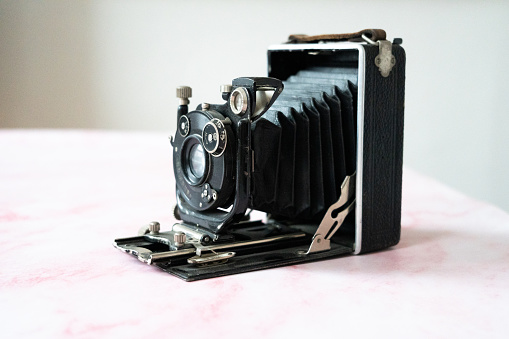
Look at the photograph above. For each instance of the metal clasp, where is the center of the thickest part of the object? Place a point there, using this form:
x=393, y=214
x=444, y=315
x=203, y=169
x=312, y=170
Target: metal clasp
x=385, y=61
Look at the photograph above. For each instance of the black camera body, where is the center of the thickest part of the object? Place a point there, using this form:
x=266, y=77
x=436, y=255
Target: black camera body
x=317, y=146
x=217, y=138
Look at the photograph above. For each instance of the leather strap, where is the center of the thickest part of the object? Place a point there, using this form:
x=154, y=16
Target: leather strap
x=373, y=34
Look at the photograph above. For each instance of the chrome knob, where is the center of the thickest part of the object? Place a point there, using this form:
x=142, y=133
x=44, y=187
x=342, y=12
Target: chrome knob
x=154, y=227
x=179, y=238
x=184, y=93
x=226, y=88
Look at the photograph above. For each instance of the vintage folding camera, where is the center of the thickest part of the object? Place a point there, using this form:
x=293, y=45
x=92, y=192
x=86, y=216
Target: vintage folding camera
x=314, y=151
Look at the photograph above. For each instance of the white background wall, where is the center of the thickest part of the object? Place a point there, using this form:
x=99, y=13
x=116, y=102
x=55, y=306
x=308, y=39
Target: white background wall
x=115, y=65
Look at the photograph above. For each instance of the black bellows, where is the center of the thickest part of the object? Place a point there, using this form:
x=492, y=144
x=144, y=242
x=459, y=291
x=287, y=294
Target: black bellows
x=305, y=145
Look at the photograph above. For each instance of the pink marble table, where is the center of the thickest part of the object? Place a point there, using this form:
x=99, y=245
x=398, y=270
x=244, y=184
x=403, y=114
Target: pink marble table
x=65, y=195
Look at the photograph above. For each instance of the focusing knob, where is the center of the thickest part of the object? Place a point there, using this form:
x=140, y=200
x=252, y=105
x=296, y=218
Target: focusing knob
x=184, y=93
x=214, y=137
x=183, y=125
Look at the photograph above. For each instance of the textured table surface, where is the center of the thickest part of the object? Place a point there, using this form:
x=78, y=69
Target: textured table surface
x=65, y=195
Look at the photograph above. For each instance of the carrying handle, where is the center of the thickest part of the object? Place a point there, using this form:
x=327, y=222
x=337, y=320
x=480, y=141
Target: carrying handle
x=373, y=33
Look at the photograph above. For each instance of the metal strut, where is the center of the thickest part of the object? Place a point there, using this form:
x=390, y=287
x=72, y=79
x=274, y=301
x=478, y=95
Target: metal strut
x=334, y=217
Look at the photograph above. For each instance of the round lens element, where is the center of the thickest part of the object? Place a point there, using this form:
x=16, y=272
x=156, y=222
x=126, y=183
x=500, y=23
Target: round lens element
x=197, y=161
x=238, y=102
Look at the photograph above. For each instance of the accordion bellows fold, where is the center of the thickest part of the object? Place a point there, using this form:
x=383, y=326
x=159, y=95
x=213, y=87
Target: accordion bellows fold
x=304, y=146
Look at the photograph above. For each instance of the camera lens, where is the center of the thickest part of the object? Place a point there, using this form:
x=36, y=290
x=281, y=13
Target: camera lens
x=204, y=168
x=197, y=161
x=194, y=161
